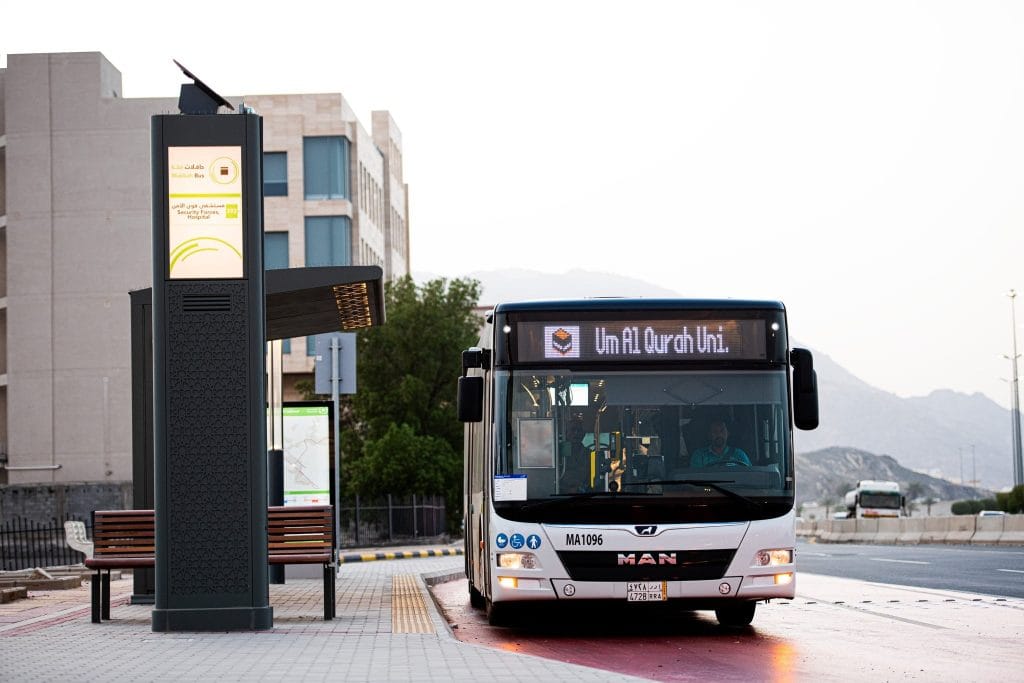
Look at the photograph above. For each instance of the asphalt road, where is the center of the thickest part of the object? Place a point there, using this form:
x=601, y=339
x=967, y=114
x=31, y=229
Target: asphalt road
x=989, y=570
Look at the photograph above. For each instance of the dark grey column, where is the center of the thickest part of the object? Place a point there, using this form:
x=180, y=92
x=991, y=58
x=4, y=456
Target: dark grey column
x=143, y=586
x=209, y=413
x=275, y=496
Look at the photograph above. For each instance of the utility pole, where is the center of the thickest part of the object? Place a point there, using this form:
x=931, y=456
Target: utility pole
x=1018, y=465
x=974, y=468
x=960, y=450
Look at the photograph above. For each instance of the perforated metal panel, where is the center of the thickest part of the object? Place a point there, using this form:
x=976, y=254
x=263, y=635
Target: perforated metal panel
x=207, y=356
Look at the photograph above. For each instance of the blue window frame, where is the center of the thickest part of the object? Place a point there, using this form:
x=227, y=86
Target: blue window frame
x=325, y=167
x=275, y=174
x=275, y=256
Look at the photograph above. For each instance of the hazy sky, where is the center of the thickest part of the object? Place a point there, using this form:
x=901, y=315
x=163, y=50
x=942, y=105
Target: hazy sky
x=861, y=161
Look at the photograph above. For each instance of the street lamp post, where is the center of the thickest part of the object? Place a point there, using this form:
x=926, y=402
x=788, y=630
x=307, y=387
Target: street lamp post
x=961, y=451
x=974, y=468
x=1018, y=465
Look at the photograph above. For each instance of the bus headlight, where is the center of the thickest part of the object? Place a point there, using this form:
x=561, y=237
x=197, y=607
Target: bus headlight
x=773, y=558
x=518, y=561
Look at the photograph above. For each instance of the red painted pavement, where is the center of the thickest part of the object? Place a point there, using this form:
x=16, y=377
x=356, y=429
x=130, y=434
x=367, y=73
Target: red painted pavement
x=660, y=645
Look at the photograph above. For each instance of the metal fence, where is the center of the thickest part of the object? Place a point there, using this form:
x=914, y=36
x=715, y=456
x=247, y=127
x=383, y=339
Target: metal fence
x=403, y=519
x=25, y=544
x=391, y=519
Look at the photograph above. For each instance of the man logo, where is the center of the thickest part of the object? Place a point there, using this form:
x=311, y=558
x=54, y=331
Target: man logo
x=646, y=530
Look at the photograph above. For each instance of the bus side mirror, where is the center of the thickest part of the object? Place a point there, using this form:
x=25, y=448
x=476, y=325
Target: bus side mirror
x=805, y=390
x=471, y=399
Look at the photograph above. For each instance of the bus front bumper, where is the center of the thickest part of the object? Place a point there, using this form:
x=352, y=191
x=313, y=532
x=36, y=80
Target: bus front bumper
x=758, y=587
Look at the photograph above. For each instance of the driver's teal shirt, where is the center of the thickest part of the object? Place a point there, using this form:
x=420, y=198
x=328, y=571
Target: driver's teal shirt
x=702, y=457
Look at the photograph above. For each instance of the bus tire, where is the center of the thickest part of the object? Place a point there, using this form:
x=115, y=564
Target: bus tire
x=476, y=598
x=736, y=615
x=497, y=614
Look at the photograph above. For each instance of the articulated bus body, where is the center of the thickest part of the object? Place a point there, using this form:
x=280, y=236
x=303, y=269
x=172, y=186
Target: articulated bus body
x=633, y=450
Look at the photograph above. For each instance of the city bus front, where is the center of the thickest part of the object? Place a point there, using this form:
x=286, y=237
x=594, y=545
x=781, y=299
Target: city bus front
x=642, y=458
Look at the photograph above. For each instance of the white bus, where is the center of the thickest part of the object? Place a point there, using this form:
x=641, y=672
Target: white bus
x=875, y=499
x=633, y=450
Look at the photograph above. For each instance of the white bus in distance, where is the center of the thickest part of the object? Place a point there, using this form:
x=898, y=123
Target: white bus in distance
x=875, y=499
x=633, y=450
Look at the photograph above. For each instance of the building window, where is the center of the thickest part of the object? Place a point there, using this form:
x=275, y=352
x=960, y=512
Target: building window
x=275, y=174
x=275, y=250
x=328, y=241
x=275, y=255
x=325, y=167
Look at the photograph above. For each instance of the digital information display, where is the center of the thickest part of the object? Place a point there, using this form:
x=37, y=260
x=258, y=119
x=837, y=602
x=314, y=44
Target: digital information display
x=641, y=340
x=204, y=194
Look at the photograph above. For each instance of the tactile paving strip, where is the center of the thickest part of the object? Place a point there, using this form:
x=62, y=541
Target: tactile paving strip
x=408, y=611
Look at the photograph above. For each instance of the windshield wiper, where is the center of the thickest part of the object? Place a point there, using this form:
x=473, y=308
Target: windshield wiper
x=572, y=497
x=713, y=483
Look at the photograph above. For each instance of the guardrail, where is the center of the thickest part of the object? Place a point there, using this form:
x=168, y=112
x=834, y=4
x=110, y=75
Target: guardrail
x=958, y=529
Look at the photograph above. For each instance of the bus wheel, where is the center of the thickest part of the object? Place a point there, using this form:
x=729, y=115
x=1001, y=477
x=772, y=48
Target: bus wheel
x=497, y=615
x=736, y=615
x=476, y=598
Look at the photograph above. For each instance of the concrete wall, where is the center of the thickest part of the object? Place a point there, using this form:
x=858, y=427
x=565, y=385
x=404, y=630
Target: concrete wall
x=956, y=529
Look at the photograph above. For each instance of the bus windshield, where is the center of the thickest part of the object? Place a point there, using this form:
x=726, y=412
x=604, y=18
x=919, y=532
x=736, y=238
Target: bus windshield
x=888, y=501
x=671, y=446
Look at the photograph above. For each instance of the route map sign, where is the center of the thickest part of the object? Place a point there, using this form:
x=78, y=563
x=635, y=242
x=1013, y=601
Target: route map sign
x=307, y=455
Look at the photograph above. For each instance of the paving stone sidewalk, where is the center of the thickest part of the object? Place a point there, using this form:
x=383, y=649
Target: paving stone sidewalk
x=387, y=629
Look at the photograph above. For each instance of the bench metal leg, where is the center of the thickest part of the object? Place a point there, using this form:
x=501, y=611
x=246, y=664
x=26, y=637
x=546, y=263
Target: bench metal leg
x=97, y=597
x=334, y=590
x=328, y=592
x=106, y=595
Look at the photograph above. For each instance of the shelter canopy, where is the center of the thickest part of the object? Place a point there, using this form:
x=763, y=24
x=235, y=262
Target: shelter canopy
x=305, y=301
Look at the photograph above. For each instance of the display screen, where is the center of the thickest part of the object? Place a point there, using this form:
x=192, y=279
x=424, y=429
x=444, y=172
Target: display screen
x=204, y=195
x=640, y=340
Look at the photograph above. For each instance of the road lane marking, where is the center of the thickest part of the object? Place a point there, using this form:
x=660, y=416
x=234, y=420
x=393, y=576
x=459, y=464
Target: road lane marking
x=882, y=559
x=873, y=613
x=1014, y=571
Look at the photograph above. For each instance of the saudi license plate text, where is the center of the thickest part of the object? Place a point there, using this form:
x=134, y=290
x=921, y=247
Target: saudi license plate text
x=646, y=591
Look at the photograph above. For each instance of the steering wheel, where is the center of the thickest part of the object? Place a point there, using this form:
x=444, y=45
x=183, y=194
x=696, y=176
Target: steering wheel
x=729, y=464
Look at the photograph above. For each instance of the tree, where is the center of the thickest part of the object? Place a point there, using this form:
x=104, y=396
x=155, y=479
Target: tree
x=402, y=461
x=961, y=507
x=409, y=367
x=405, y=436
x=1012, y=501
x=914, y=491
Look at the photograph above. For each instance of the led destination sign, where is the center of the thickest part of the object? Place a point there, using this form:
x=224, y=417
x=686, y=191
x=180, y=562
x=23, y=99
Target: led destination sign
x=641, y=340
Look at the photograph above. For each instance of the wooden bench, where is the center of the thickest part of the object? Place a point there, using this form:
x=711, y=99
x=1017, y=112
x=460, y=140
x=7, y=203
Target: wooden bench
x=304, y=534
x=125, y=539
x=121, y=539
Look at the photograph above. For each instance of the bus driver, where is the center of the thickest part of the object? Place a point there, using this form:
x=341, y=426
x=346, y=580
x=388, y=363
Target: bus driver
x=718, y=453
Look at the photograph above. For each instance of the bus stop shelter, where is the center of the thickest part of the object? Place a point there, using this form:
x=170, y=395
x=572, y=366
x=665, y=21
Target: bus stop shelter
x=299, y=302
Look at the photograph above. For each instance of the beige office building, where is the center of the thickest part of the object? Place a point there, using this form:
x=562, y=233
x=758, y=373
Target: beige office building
x=75, y=238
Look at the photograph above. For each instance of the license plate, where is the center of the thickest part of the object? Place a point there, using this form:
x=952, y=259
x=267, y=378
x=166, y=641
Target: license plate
x=646, y=591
